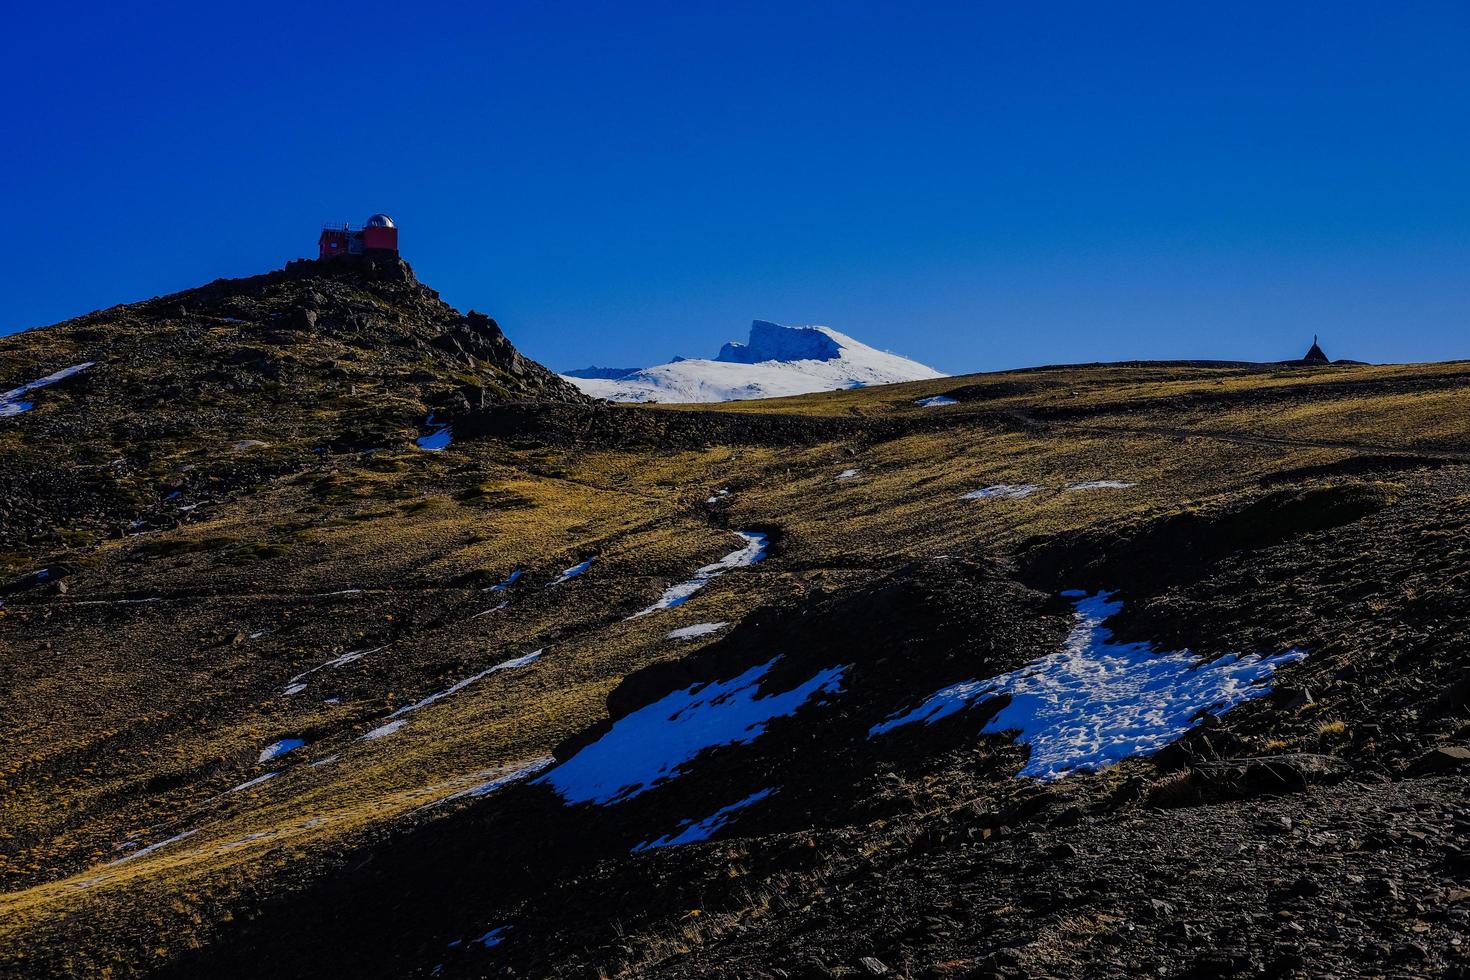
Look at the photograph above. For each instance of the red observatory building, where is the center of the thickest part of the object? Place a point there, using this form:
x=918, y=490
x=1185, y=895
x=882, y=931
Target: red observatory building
x=340, y=238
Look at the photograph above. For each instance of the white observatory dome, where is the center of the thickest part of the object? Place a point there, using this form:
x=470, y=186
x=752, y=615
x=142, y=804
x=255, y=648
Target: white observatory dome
x=380, y=221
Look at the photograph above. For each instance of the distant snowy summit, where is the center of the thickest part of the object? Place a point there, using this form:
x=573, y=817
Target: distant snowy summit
x=776, y=361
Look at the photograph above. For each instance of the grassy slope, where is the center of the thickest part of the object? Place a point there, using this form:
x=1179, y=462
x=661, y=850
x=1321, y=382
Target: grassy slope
x=128, y=722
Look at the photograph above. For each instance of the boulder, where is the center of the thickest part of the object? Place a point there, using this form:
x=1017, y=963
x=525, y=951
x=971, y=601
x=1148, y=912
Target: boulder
x=1442, y=759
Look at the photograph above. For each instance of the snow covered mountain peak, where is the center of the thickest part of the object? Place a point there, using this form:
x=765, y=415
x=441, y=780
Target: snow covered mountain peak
x=776, y=360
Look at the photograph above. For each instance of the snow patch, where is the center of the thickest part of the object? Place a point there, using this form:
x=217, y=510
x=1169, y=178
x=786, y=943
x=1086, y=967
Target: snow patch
x=247, y=839
x=935, y=400
x=499, y=780
x=692, y=831
x=383, y=731
x=261, y=835
x=697, y=630
x=252, y=782
x=848, y=475
x=1101, y=485
x=140, y=852
x=754, y=551
x=461, y=685
x=294, y=685
x=521, y=661
x=649, y=746
x=572, y=572
x=277, y=749
x=502, y=586
x=1096, y=702
x=393, y=726
x=10, y=401
x=438, y=437
x=1004, y=491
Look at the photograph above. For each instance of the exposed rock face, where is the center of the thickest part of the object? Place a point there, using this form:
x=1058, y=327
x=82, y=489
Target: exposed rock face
x=773, y=342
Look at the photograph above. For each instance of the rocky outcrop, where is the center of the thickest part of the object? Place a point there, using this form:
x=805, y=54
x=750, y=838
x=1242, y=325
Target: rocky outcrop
x=773, y=342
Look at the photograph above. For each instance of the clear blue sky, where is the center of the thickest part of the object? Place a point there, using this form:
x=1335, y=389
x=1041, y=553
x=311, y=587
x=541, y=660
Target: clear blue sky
x=977, y=185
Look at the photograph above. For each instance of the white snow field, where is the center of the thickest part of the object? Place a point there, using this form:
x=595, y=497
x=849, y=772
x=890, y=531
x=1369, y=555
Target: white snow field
x=777, y=361
x=1096, y=702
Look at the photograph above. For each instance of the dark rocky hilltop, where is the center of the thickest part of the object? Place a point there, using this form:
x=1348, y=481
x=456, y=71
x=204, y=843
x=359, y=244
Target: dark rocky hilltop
x=214, y=387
